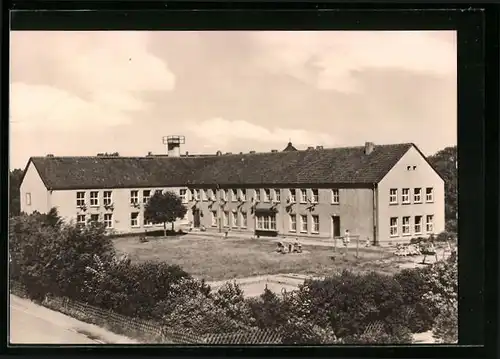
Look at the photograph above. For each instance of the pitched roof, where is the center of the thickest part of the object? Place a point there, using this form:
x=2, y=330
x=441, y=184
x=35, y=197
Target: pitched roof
x=349, y=165
x=289, y=147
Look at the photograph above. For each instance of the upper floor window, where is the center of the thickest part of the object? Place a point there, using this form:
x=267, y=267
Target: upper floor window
x=429, y=195
x=196, y=195
x=257, y=195
x=183, y=195
x=267, y=195
x=417, y=195
x=303, y=195
x=393, y=196
x=94, y=198
x=134, y=197
x=145, y=195
x=159, y=191
x=315, y=196
x=213, y=195
x=293, y=197
x=335, y=196
x=80, y=199
x=405, y=195
x=277, y=195
x=106, y=199
x=28, y=198
x=243, y=195
x=234, y=197
x=225, y=195
x=203, y=194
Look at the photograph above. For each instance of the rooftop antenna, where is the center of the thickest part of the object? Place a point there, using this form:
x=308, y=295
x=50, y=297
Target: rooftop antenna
x=173, y=144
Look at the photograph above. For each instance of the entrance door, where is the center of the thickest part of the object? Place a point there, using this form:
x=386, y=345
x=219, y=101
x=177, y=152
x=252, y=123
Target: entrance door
x=196, y=218
x=335, y=230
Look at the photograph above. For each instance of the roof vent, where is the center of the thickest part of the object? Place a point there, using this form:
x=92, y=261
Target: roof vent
x=274, y=151
x=219, y=153
x=150, y=153
x=252, y=152
x=369, y=147
x=310, y=148
x=319, y=147
x=50, y=155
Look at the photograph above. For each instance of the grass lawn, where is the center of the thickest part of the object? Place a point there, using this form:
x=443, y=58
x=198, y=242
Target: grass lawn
x=224, y=259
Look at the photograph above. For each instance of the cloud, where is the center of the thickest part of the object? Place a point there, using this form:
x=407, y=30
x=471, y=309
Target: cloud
x=222, y=132
x=331, y=60
x=35, y=107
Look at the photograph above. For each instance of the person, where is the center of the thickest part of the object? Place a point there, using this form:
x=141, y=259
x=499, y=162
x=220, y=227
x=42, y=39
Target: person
x=346, y=240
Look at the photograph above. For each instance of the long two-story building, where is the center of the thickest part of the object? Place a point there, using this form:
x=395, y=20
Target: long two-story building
x=381, y=193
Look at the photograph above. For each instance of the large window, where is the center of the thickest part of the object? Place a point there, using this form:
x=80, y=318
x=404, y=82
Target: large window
x=108, y=220
x=393, y=196
x=406, y=226
x=394, y=226
x=80, y=199
x=266, y=222
x=315, y=224
x=134, y=197
x=94, y=199
x=134, y=219
x=303, y=223
x=145, y=195
x=243, y=220
x=315, y=196
x=293, y=223
x=335, y=196
x=107, y=198
x=267, y=195
x=430, y=223
x=418, y=225
x=303, y=195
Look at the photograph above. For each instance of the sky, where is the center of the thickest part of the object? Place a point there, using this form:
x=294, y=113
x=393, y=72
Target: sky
x=81, y=93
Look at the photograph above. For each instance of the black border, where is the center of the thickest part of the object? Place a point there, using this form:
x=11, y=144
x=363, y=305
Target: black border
x=478, y=219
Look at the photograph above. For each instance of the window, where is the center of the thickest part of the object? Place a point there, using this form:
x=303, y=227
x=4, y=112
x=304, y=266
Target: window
x=213, y=196
x=267, y=195
x=134, y=219
x=159, y=191
x=147, y=223
x=303, y=223
x=335, y=196
x=277, y=195
x=106, y=198
x=405, y=196
x=225, y=219
x=293, y=223
x=417, y=195
x=108, y=220
x=429, y=195
x=266, y=222
x=315, y=196
x=214, y=218
x=234, y=219
x=183, y=195
x=203, y=195
x=224, y=195
x=95, y=217
x=406, y=226
x=315, y=223
x=196, y=195
x=430, y=223
x=145, y=196
x=28, y=199
x=94, y=198
x=243, y=220
x=80, y=199
x=234, y=197
x=393, y=196
x=257, y=195
x=80, y=219
x=394, y=227
x=134, y=197
x=293, y=197
x=418, y=224
x=303, y=195
x=243, y=195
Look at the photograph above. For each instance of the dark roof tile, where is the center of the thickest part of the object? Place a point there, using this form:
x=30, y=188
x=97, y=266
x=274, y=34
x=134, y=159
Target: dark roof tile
x=349, y=165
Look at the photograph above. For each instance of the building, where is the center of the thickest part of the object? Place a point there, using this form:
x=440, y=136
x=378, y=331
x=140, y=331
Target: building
x=381, y=193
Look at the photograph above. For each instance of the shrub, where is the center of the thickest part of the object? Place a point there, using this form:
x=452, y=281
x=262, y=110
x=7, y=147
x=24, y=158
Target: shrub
x=268, y=310
x=446, y=328
x=446, y=236
x=399, y=335
x=230, y=298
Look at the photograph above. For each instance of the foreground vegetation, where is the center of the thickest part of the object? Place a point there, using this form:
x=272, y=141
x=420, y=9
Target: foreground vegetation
x=51, y=257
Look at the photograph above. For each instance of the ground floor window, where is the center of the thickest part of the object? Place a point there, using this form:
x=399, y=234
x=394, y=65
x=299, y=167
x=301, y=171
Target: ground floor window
x=80, y=219
x=225, y=219
x=315, y=220
x=234, y=219
x=293, y=223
x=430, y=223
x=303, y=223
x=147, y=223
x=266, y=222
x=134, y=219
x=406, y=226
x=418, y=225
x=214, y=218
x=243, y=220
x=394, y=226
x=108, y=220
x=94, y=218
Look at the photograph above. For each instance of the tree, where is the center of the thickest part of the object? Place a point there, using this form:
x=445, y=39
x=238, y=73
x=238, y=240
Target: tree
x=163, y=208
x=14, y=194
x=444, y=162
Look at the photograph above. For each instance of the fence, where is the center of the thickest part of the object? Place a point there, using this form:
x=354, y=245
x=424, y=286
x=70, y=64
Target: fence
x=145, y=331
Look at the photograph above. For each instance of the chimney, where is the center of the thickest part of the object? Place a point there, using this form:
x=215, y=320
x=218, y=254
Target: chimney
x=173, y=144
x=219, y=153
x=369, y=147
x=310, y=148
x=150, y=153
x=319, y=147
x=50, y=155
x=274, y=151
x=252, y=152
x=187, y=153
